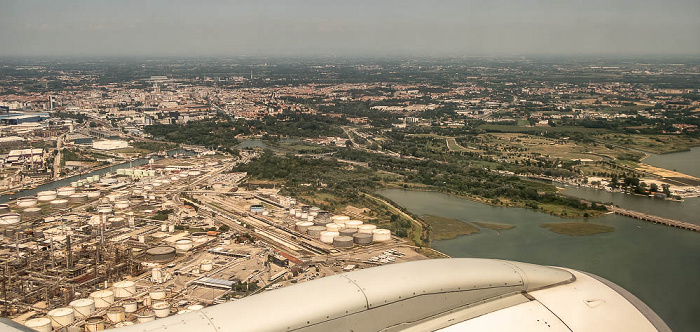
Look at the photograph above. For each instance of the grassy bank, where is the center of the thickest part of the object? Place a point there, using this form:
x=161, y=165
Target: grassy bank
x=578, y=228
x=494, y=227
x=448, y=228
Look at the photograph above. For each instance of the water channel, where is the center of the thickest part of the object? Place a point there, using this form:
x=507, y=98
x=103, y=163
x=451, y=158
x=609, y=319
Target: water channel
x=102, y=171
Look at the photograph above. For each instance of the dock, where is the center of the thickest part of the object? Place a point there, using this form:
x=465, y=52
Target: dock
x=655, y=219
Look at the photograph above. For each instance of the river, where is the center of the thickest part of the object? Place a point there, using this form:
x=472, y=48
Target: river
x=657, y=263
x=102, y=171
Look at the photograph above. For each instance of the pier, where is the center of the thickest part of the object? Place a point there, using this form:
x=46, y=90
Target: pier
x=655, y=219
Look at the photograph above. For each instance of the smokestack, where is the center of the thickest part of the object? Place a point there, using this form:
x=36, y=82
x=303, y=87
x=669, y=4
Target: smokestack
x=69, y=258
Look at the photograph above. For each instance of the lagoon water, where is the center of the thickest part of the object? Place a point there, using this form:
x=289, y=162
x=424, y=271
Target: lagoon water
x=659, y=264
x=687, y=162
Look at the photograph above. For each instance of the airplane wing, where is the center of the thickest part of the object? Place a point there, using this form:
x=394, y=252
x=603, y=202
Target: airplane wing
x=458, y=294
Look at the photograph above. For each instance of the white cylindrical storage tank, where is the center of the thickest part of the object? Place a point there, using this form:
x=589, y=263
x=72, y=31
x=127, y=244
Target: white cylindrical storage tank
x=93, y=194
x=344, y=219
x=171, y=228
x=103, y=298
x=146, y=316
x=32, y=212
x=303, y=226
x=121, y=205
x=59, y=203
x=96, y=323
x=327, y=237
x=26, y=202
x=115, y=314
x=41, y=324
x=332, y=227
x=65, y=191
x=183, y=244
x=77, y=198
x=297, y=214
x=161, y=309
x=157, y=294
x=353, y=224
x=366, y=228
x=163, y=227
x=10, y=219
x=125, y=288
x=104, y=209
x=83, y=307
x=46, y=196
x=130, y=305
x=206, y=265
x=292, y=212
x=61, y=317
x=304, y=215
x=156, y=274
x=310, y=218
x=381, y=235
x=123, y=324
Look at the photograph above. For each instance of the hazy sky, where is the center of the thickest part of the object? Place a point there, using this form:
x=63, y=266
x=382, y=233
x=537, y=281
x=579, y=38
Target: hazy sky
x=347, y=28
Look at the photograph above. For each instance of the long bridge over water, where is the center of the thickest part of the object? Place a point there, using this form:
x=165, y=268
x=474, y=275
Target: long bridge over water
x=655, y=219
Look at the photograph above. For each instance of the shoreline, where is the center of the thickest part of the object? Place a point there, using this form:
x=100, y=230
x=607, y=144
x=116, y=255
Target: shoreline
x=484, y=201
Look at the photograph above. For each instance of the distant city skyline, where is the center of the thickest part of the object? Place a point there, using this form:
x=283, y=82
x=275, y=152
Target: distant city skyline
x=348, y=28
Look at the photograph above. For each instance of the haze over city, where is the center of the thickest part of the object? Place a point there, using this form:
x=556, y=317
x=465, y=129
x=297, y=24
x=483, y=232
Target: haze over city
x=349, y=28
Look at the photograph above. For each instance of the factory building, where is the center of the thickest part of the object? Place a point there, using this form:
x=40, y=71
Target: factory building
x=20, y=118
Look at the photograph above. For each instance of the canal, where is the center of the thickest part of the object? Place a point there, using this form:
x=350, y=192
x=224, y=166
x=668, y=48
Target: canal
x=67, y=181
x=657, y=263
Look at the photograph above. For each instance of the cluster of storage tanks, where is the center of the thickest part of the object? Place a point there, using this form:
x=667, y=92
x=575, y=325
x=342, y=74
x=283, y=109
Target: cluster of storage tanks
x=110, y=307
x=31, y=205
x=142, y=173
x=136, y=173
x=87, y=180
x=338, y=230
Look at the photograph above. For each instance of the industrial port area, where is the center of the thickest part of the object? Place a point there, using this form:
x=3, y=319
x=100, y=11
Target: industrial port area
x=165, y=238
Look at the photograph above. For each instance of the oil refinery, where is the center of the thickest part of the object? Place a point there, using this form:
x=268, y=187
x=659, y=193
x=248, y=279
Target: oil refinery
x=166, y=238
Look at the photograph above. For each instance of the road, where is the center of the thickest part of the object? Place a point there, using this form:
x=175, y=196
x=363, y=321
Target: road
x=59, y=156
